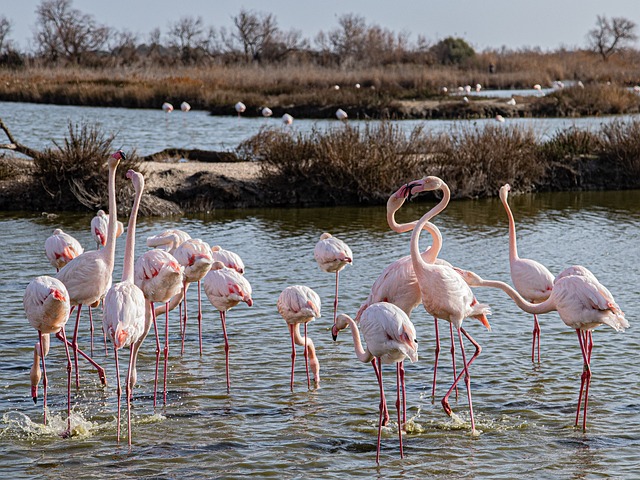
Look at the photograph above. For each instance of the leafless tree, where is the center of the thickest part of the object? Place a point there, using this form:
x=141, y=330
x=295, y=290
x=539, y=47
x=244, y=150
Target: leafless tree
x=254, y=31
x=611, y=35
x=65, y=33
x=5, y=29
x=189, y=36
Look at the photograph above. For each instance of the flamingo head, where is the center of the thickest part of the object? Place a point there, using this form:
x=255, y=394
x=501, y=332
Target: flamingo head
x=504, y=191
x=137, y=178
x=342, y=321
x=115, y=158
x=471, y=278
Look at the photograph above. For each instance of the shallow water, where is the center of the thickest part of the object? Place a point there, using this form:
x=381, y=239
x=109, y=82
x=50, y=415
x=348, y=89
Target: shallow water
x=526, y=411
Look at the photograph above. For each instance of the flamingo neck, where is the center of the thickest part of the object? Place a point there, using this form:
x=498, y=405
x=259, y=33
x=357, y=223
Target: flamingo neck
x=112, y=226
x=513, y=248
x=432, y=255
x=127, y=272
x=535, y=308
x=391, y=218
x=363, y=355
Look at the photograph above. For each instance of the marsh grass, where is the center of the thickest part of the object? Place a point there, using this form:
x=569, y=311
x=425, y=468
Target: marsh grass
x=590, y=100
x=620, y=146
x=75, y=173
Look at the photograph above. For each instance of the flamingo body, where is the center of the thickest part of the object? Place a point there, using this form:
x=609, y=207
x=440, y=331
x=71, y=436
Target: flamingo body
x=228, y=258
x=60, y=248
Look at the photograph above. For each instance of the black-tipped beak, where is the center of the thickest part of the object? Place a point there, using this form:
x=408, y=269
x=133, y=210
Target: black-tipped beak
x=334, y=333
x=35, y=399
x=408, y=193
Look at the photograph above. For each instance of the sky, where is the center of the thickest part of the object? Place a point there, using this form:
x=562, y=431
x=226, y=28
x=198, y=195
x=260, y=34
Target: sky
x=515, y=24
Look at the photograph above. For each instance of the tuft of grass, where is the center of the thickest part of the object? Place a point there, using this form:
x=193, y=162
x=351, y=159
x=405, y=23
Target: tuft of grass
x=620, y=146
x=76, y=174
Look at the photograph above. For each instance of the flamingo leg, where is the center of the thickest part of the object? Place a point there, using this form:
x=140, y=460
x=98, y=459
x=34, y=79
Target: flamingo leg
x=399, y=404
x=118, y=392
x=404, y=393
x=437, y=355
x=199, y=317
x=184, y=320
x=586, y=345
x=223, y=319
x=453, y=356
x=101, y=372
x=382, y=402
x=91, y=329
x=306, y=357
x=45, y=381
x=467, y=380
x=335, y=301
x=536, y=339
x=128, y=394
x=465, y=372
x=155, y=328
x=293, y=352
x=74, y=345
x=66, y=349
x=166, y=350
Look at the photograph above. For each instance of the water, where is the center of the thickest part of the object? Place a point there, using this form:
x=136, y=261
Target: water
x=149, y=131
x=525, y=411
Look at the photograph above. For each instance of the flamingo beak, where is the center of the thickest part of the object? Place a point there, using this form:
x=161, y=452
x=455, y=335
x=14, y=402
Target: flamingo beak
x=34, y=394
x=250, y=302
x=334, y=333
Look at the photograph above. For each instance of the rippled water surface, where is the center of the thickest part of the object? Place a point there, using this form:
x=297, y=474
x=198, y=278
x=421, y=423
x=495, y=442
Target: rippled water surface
x=525, y=411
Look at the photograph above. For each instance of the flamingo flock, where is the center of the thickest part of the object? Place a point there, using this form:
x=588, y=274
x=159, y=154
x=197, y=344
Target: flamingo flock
x=158, y=281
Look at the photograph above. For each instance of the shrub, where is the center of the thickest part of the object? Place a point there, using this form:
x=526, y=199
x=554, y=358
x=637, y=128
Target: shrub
x=453, y=51
x=621, y=146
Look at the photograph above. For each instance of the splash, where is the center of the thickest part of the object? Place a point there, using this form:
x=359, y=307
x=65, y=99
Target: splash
x=19, y=425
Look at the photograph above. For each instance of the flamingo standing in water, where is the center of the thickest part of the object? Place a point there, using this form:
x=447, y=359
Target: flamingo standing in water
x=240, y=108
x=195, y=256
x=124, y=305
x=46, y=304
x=390, y=337
x=299, y=304
x=447, y=296
x=159, y=275
x=88, y=276
x=230, y=259
x=60, y=248
x=225, y=288
x=332, y=255
x=583, y=304
x=531, y=279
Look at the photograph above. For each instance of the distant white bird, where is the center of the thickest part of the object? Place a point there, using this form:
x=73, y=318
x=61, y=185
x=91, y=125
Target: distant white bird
x=465, y=99
x=467, y=88
x=336, y=87
x=580, y=84
x=240, y=108
x=460, y=89
x=287, y=119
x=167, y=107
x=266, y=112
x=636, y=88
x=500, y=118
x=185, y=107
x=478, y=87
x=444, y=90
x=61, y=248
x=357, y=85
x=511, y=101
x=341, y=115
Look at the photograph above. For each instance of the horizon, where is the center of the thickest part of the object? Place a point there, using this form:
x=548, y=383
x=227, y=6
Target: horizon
x=495, y=24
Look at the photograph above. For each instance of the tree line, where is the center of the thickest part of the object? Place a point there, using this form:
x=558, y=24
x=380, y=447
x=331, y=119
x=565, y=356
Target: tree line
x=64, y=35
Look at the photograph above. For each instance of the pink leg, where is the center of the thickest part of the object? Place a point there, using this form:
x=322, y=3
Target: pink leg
x=465, y=372
x=404, y=393
x=166, y=350
x=66, y=349
x=91, y=329
x=101, y=373
x=435, y=364
x=335, y=301
x=118, y=391
x=382, y=401
x=467, y=380
x=128, y=393
x=586, y=345
x=306, y=357
x=45, y=381
x=199, y=318
x=536, y=339
x=398, y=405
x=223, y=319
x=155, y=328
x=453, y=356
x=74, y=345
x=184, y=320
x=293, y=352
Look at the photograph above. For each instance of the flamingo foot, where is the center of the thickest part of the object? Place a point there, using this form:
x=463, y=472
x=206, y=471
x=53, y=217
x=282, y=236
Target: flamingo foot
x=446, y=406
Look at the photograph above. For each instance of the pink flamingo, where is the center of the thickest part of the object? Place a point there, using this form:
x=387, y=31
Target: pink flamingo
x=390, y=337
x=46, y=304
x=195, y=256
x=168, y=240
x=398, y=283
x=531, y=279
x=88, y=276
x=225, y=288
x=447, y=296
x=299, y=304
x=332, y=255
x=100, y=227
x=230, y=259
x=583, y=304
x=159, y=275
x=60, y=248
x=124, y=305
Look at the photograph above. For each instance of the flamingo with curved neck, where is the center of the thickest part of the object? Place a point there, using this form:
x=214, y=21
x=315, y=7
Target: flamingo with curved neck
x=532, y=279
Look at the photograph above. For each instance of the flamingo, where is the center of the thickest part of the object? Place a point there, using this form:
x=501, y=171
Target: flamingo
x=240, y=108
x=168, y=240
x=287, y=119
x=124, y=305
x=332, y=255
x=447, y=296
x=398, y=283
x=60, y=248
x=225, y=288
x=342, y=115
x=511, y=101
x=266, y=112
x=500, y=118
x=159, y=275
x=46, y=305
x=167, y=107
x=299, y=304
x=390, y=337
x=531, y=279
x=228, y=258
x=100, y=226
x=195, y=256
x=88, y=276
x=583, y=304
x=185, y=107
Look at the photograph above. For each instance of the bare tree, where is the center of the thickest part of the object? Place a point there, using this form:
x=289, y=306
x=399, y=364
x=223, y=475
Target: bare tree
x=5, y=29
x=611, y=35
x=65, y=33
x=254, y=31
x=188, y=35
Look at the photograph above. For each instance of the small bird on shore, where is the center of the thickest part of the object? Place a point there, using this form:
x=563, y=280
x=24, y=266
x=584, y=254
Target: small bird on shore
x=341, y=115
x=499, y=118
x=512, y=101
x=240, y=108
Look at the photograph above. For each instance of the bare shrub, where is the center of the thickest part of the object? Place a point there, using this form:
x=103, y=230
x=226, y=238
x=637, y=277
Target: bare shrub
x=621, y=146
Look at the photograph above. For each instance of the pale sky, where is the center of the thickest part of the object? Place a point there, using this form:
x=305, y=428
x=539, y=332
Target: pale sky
x=548, y=24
